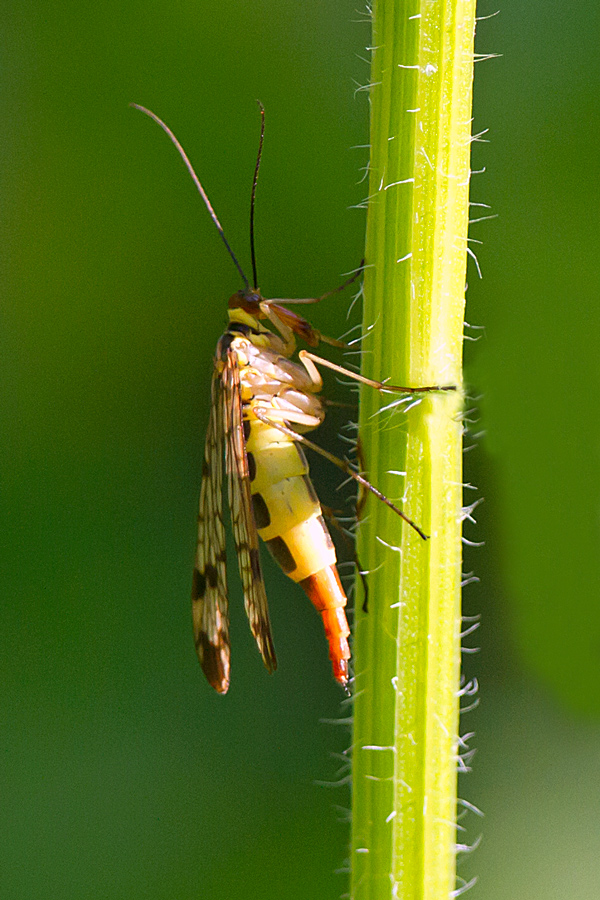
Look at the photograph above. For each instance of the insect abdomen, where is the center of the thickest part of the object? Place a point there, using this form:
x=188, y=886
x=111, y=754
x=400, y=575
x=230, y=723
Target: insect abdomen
x=290, y=520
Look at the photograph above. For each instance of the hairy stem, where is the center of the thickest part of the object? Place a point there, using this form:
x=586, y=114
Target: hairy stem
x=407, y=645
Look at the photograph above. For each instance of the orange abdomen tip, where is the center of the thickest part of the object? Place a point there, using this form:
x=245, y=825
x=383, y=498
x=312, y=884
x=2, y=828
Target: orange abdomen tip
x=326, y=593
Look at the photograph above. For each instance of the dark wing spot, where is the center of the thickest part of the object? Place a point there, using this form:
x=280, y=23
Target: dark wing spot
x=212, y=576
x=281, y=553
x=205, y=469
x=326, y=534
x=247, y=427
x=198, y=585
x=255, y=563
x=310, y=488
x=215, y=663
x=251, y=466
x=262, y=515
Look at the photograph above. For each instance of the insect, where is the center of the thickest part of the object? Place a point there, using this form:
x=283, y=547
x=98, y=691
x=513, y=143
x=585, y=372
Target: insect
x=261, y=404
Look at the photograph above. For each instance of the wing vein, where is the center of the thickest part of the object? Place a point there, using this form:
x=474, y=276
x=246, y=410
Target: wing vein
x=209, y=591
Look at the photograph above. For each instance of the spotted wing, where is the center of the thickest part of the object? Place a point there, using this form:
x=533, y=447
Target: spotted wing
x=242, y=515
x=209, y=591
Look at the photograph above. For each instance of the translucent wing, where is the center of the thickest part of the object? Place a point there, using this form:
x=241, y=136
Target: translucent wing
x=209, y=590
x=242, y=515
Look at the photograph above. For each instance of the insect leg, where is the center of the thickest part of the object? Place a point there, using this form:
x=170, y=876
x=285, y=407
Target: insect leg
x=309, y=359
x=342, y=287
x=290, y=323
x=286, y=332
x=333, y=520
x=340, y=463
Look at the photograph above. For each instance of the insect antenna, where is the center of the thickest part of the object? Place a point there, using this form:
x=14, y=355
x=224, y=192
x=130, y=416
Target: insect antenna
x=198, y=184
x=253, y=197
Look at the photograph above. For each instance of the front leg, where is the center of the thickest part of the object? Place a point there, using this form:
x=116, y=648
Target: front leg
x=284, y=330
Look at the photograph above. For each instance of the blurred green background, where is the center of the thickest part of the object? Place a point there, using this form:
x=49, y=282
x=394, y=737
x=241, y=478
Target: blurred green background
x=122, y=774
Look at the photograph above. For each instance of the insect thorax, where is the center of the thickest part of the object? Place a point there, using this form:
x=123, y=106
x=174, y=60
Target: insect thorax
x=268, y=378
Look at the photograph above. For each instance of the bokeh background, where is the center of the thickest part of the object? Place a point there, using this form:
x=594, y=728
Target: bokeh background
x=122, y=774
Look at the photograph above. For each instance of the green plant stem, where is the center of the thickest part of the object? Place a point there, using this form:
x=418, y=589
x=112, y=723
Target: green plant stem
x=407, y=645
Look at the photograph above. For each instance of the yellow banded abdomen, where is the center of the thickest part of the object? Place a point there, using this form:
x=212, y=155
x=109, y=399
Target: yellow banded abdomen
x=290, y=520
x=287, y=511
